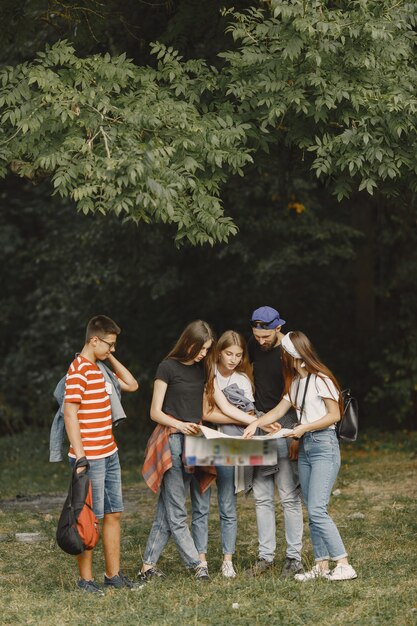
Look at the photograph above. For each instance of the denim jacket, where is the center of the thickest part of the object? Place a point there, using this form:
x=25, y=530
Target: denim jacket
x=56, y=439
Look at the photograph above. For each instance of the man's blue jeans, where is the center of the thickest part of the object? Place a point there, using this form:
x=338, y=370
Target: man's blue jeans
x=286, y=480
x=171, y=513
x=318, y=464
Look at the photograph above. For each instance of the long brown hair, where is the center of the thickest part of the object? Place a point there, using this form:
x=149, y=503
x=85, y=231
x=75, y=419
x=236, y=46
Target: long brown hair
x=191, y=340
x=228, y=338
x=312, y=362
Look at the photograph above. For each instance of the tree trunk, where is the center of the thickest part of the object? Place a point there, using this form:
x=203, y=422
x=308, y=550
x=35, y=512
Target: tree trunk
x=364, y=220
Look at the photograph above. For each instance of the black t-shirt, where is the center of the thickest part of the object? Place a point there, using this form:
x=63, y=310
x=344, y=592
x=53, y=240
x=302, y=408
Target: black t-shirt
x=267, y=374
x=184, y=395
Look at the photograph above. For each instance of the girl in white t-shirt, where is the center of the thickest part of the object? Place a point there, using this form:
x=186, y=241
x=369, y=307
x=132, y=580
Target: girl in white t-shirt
x=231, y=373
x=312, y=389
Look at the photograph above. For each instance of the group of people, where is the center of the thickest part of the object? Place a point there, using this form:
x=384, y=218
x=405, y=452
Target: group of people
x=242, y=389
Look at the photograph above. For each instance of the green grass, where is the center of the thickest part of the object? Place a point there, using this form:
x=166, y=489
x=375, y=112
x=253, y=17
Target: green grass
x=377, y=479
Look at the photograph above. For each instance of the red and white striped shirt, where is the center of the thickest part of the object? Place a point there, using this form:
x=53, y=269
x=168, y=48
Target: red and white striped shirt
x=85, y=385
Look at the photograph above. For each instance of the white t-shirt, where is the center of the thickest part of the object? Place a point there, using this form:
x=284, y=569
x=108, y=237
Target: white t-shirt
x=243, y=382
x=238, y=378
x=319, y=387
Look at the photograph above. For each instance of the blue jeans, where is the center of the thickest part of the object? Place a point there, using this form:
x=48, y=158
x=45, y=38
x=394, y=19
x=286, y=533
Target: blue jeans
x=171, y=513
x=286, y=480
x=318, y=465
x=227, y=512
x=106, y=484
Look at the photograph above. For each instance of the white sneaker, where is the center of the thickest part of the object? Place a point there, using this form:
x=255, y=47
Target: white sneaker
x=342, y=572
x=228, y=570
x=316, y=572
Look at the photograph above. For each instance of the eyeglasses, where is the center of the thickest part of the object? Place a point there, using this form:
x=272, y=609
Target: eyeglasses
x=263, y=325
x=112, y=346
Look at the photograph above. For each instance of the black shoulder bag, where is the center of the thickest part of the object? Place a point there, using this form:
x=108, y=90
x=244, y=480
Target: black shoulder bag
x=348, y=425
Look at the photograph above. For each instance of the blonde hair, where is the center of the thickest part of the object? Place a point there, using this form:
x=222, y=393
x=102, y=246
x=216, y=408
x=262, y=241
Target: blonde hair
x=228, y=338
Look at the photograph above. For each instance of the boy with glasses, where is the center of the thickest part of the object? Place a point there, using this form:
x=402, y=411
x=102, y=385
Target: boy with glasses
x=265, y=355
x=88, y=422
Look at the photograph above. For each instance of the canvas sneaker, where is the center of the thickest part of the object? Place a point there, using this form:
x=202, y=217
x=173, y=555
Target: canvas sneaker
x=201, y=572
x=120, y=581
x=89, y=586
x=342, y=572
x=259, y=568
x=228, y=570
x=313, y=574
x=291, y=567
x=152, y=572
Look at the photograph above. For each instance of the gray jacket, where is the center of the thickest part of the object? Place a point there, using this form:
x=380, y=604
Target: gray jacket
x=236, y=396
x=56, y=439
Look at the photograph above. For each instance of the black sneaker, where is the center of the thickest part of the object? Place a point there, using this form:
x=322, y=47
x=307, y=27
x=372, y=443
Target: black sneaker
x=201, y=573
x=259, y=568
x=89, y=586
x=151, y=573
x=291, y=567
x=120, y=581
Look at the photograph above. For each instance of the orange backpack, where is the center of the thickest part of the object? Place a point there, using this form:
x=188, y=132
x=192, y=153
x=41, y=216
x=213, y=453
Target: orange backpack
x=78, y=527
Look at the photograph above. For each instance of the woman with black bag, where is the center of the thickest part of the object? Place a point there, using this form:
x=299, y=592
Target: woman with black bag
x=313, y=390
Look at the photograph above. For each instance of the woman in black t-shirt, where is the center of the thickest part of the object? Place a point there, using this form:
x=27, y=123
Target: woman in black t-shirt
x=177, y=404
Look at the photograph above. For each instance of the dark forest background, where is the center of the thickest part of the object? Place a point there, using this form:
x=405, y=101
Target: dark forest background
x=344, y=273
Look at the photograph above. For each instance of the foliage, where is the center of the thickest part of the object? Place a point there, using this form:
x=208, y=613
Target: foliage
x=67, y=267
x=353, y=69
x=116, y=137
x=394, y=388
x=335, y=79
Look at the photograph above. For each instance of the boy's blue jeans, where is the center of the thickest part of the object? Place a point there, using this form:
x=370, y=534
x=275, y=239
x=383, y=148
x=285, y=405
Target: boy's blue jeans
x=106, y=484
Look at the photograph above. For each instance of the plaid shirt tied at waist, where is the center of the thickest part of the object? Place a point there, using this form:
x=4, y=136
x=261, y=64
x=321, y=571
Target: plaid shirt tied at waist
x=158, y=460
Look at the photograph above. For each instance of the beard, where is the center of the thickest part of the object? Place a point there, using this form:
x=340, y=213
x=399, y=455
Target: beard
x=267, y=347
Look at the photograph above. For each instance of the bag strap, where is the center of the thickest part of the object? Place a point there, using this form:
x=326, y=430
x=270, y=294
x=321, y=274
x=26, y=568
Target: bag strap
x=81, y=462
x=304, y=398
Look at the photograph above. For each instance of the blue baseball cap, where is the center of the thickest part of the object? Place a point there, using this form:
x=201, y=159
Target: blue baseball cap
x=266, y=318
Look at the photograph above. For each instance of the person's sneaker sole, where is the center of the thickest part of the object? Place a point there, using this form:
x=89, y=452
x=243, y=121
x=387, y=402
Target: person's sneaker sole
x=303, y=578
x=342, y=572
x=150, y=575
x=120, y=581
x=94, y=590
x=296, y=567
x=255, y=571
x=329, y=577
x=136, y=587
